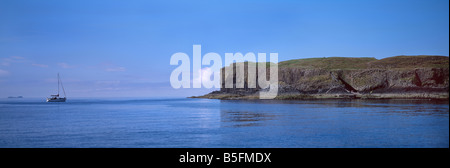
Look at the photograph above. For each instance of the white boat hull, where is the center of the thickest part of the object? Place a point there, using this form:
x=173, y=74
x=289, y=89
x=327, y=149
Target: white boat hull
x=59, y=99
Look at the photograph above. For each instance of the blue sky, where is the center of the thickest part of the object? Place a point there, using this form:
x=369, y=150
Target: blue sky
x=115, y=48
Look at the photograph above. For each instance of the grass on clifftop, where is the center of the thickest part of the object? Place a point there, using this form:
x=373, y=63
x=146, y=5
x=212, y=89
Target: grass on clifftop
x=422, y=61
x=328, y=63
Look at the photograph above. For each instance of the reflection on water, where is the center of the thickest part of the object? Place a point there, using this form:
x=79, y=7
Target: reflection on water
x=246, y=108
x=340, y=123
x=243, y=118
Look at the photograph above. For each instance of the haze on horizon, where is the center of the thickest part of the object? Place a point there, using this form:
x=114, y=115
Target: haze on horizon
x=122, y=48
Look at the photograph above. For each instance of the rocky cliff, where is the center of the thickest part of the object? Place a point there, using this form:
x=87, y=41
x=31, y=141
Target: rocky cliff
x=344, y=77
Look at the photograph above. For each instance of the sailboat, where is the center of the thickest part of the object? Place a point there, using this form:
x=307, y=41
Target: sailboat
x=56, y=98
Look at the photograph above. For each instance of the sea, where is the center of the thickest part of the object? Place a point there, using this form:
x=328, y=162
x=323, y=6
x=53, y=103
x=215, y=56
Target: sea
x=210, y=123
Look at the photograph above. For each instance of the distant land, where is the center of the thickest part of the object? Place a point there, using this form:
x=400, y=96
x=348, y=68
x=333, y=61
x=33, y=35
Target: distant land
x=13, y=97
x=398, y=77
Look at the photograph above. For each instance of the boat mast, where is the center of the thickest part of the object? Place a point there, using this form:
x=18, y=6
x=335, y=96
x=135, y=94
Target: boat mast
x=62, y=86
x=58, y=84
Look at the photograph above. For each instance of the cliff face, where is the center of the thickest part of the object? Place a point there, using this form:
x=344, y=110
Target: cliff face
x=398, y=77
x=363, y=81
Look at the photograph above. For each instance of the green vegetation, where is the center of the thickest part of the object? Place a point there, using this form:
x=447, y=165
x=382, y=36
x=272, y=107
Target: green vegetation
x=328, y=63
x=421, y=61
x=345, y=63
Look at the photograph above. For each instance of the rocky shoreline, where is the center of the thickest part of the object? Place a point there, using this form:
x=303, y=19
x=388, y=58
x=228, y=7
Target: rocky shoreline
x=400, y=77
x=228, y=96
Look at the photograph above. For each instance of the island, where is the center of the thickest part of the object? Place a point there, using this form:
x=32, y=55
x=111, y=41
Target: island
x=14, y=97
x=398, y=77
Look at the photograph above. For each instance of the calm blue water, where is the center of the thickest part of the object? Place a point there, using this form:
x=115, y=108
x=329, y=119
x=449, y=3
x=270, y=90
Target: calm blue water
x=218, y=123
